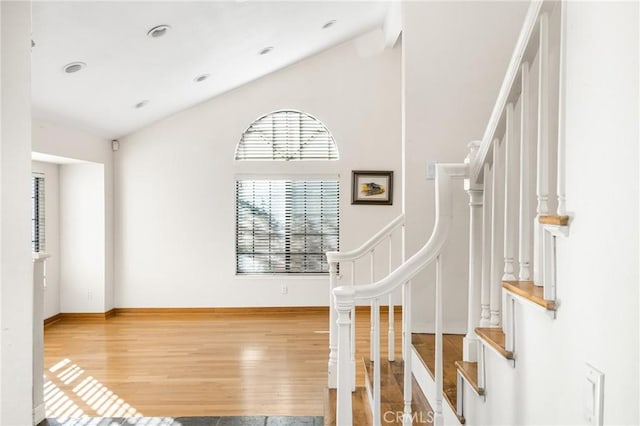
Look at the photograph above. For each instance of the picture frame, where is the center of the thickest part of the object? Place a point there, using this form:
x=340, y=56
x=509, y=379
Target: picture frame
x=372, y=187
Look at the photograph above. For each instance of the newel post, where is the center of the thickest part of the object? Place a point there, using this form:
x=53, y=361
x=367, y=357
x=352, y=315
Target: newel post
x=344, y=302
x=333, y=333
x=475, y=192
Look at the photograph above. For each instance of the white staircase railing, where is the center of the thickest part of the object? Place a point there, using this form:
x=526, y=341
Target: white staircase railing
x=346, y=298
x=515, y=179
x=517, y=187
x=351, y=257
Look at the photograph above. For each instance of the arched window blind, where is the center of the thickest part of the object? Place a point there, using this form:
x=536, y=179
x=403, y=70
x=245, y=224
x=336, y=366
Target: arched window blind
x=287, y=135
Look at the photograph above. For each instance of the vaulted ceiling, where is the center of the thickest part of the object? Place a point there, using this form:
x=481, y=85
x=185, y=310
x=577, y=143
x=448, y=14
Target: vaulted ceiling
x=126, y=67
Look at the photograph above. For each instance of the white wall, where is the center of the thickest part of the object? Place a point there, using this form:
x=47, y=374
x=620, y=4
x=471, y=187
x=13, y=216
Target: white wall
x=597, y=321
x=16, y=269
x=175, y=234
x=52, y=236
x=72, y=144
x=455, y=55
x=82, y=231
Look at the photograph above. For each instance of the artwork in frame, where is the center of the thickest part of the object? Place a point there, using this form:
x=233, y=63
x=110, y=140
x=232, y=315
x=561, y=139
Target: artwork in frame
x=372, y=187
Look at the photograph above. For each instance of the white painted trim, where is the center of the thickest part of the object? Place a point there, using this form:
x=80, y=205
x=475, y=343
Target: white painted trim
x=528, y=29
x=369, y=245
x=39, y=257
x=39, y=413
x=557, y=230
x=428, y=386
x=495, y=351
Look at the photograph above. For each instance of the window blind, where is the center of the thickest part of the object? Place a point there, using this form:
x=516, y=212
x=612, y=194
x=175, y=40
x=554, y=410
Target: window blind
x=286, y=226
x=287, y=135
x=37, y=214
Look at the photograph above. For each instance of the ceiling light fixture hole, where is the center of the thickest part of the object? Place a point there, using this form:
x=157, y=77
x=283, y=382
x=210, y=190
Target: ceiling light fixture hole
x=200, y=78
x=266, y=50
x=158, y=31
x=74, y=67
x=141, y=104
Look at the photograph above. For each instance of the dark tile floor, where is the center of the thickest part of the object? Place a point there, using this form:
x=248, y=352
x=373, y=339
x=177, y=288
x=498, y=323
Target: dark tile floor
x=186, y=421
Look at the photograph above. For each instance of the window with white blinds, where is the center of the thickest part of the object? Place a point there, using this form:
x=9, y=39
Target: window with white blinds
x=287, y=135
x=37, y=214
x=286, y=226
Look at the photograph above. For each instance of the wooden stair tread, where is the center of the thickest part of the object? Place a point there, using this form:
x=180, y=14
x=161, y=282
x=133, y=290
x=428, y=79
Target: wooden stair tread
x=554, y=220
x=392, y=398
x=424, y=345
x=494, y=337
x=360, y=406
x=469, y=371
x=529, y=291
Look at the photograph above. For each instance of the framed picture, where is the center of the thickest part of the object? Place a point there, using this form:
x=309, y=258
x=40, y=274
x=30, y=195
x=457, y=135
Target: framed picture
x=372, y=187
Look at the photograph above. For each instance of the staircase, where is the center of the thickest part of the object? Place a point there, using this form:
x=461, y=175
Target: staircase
x=515, y=181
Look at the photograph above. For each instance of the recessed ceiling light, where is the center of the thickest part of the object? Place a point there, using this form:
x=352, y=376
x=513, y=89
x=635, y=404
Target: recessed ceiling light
x=266, y=50
x=158, y=31
x=74, y=67
x=200, y=78
x=141, y=104
x=329, y=24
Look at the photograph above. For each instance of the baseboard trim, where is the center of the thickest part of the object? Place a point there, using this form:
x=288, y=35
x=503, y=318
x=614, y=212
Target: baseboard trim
x=48, y=321
x=226, y=310
x=265, y=310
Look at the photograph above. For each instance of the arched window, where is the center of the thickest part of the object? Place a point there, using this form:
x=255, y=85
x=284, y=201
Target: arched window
x=286, y=225
x=287, y=135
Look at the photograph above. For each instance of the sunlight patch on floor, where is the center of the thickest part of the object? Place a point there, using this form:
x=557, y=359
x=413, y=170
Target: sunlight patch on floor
x=99, y=399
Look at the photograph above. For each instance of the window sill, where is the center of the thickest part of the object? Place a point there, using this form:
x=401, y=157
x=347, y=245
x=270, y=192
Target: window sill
x=282, y=276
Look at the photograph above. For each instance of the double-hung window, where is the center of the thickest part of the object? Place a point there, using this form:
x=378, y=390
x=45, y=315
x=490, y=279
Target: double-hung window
x=286, y=225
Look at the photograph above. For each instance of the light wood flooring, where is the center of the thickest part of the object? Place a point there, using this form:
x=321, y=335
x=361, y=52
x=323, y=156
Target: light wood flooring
x=193, y=364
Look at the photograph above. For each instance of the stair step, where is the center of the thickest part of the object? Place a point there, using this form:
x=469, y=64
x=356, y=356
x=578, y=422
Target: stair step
x=554, y=220
x=424, y=345
x=469, y=371
x=529, y=291
x=392, y=398
x=494, y=337
x=360, y=405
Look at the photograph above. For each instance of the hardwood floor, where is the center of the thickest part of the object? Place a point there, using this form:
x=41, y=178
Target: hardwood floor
x=193, y=364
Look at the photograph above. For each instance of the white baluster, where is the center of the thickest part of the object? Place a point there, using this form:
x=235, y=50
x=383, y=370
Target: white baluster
x=406, y=350
x=345, y=376
x=438, y=418
x=353, y=328
x=511, y=164
x=496, y=233
x=391, y=336
x=475, y=273
x=485, y=294
x=375, y=305
x=525, y=179
x=542, y=183
x=405, y=318
x=333, y=332
x=372, y=258
x=561, y=183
